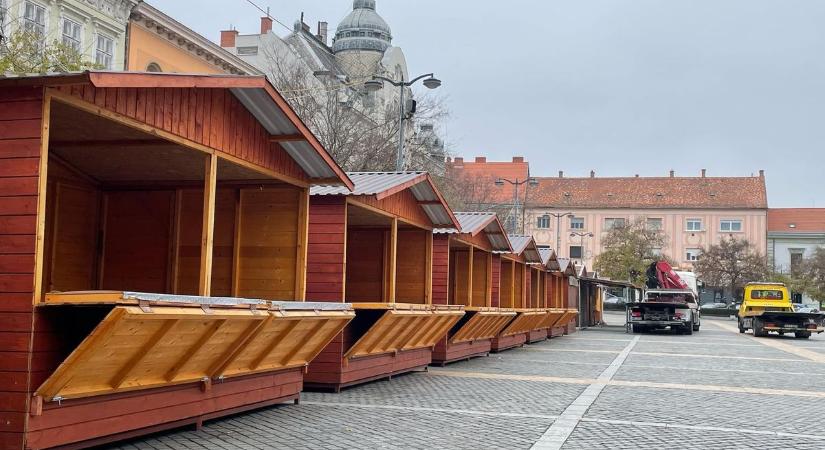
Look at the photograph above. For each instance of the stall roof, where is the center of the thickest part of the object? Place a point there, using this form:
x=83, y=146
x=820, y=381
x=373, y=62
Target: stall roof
x=567, y=267
x=385, y=184
x=475, y=222
x=609, y=282
x=255, y=92
x=549, y=258
x=525, y=245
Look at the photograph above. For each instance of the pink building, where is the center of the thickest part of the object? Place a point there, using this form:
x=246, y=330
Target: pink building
x=694, y=212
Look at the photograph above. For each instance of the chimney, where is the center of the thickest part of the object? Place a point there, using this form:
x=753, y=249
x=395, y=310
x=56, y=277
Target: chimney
x=637, y=175
x=481, y=159
x=704, y=173
x=323, y=32
x=592, y=174
x=672, y=173
x=266, y=25
x=561, y=174
x=518, y=159
x=762, y=173
x=228, y=38
x=459, y=160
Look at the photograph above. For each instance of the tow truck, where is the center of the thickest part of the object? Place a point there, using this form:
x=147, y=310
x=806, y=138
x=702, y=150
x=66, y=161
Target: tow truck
x=668, y=303
x=767, y=307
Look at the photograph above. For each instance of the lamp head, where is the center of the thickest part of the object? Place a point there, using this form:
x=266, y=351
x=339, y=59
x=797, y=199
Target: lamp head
x=373, y=85
x=432, y=83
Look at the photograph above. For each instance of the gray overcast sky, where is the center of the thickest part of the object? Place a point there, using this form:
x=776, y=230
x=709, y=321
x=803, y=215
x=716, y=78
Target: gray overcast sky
x=617, y=86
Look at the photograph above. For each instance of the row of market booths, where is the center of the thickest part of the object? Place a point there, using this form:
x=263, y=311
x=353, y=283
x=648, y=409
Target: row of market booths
x=175, y=248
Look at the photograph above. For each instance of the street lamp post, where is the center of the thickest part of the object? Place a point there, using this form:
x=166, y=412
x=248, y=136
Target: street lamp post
x=581, y=236
x=516, y=202
x=377, y=83
x=558, y=217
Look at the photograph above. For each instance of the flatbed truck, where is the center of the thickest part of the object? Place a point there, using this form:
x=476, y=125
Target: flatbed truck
x=767, y=307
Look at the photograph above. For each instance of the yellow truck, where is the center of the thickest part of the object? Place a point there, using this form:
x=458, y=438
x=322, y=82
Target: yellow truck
x=767, y=307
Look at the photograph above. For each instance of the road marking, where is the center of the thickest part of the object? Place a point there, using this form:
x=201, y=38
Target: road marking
x=570, y=350
x=622, y=383
x=705, y=428
x=768, y=342
x=561, y=429
x=765, y=372
x=696, y=355
x=440, y=410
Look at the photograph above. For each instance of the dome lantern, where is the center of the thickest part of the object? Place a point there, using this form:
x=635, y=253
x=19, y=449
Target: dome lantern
x=362, y=30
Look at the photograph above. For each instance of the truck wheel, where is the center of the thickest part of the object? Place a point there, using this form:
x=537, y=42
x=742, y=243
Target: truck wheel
x=696, y=326
x=638, y=329
x=757, y=328
x=741, y=327
x=688, y=329
x=802, y=334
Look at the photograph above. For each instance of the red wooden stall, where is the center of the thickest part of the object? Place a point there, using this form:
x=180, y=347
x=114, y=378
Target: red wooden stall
x=566, y=298
x=517, y=293
x=466, y=273
x=146, y=223
x=373, y=247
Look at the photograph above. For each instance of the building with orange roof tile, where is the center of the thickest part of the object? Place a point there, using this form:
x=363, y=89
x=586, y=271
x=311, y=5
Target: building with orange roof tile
x=793, y=235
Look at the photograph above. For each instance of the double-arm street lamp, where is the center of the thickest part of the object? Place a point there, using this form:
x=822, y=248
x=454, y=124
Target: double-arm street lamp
x=377, y=83
x=581, y=237
x=558, y=217
x=516, y=201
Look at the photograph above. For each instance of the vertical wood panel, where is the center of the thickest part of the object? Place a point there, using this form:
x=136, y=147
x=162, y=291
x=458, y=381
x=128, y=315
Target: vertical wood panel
x=440, y=269
x=326, y=249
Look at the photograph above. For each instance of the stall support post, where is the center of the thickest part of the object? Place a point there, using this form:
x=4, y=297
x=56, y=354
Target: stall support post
x=470, y=276
x=207, y=236
x=489, y=286
x=393, y=260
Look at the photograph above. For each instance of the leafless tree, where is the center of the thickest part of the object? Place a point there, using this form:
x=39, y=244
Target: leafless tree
x=360, y=133
x=731, y=264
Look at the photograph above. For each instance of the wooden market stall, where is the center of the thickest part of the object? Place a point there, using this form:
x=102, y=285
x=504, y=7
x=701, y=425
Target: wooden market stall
x=551, y=294
x=154, y=226
x=373, y=247
x=566, y=299
x=466, y=272
x=516, y=293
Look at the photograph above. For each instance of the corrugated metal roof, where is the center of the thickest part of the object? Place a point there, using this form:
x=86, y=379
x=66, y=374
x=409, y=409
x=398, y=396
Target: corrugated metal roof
x=548, y=256
x=369, y=183
x=525, y=245
x=387, y=183
x=475, y=222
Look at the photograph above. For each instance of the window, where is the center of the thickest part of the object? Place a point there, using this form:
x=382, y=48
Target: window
x=577, y=223
x=543, y=222
x=247, y=51
x=153, y=67
x=656, y=251
x=692, y=254
x=576, y=252
x=71, y=34
x=654, y=224
x=730, y=226
x=105, y=51
x=797, y=256
x=34, y=18
x=694, y=225
x=611, y=224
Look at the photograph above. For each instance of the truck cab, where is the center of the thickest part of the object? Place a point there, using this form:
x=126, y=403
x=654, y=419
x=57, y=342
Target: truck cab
x=767, y=307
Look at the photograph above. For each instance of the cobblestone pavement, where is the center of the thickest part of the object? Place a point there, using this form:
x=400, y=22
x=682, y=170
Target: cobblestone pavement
x=596, y=389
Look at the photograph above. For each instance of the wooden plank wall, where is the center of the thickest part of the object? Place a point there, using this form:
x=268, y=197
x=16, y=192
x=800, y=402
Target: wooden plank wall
x=506, y=284
x=268, y=241
x=211, y=117
x=411, y=267
x=521, y=286
x=326, y=259
x=460, y=264
x=496, y=282
x=441, y=269
x=20, y=131
x=480, y=273
x=365, y=265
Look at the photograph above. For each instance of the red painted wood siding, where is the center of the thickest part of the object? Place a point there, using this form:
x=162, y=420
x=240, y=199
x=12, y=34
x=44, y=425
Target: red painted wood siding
x=402, y=204
x=479, y=241
x=441, y=269
x=326, y=255
x=210, y=117
x=528, y=287
x=496, y=282
x=20, y=128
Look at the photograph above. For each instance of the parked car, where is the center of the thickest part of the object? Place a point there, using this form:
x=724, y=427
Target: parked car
x=610, y=299
x=805, y=308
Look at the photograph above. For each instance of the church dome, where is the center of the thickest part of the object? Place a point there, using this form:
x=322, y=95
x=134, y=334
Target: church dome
x=362, y=29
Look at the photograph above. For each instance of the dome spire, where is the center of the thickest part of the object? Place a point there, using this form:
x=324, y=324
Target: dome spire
x=364, y=4
x=362, y=30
